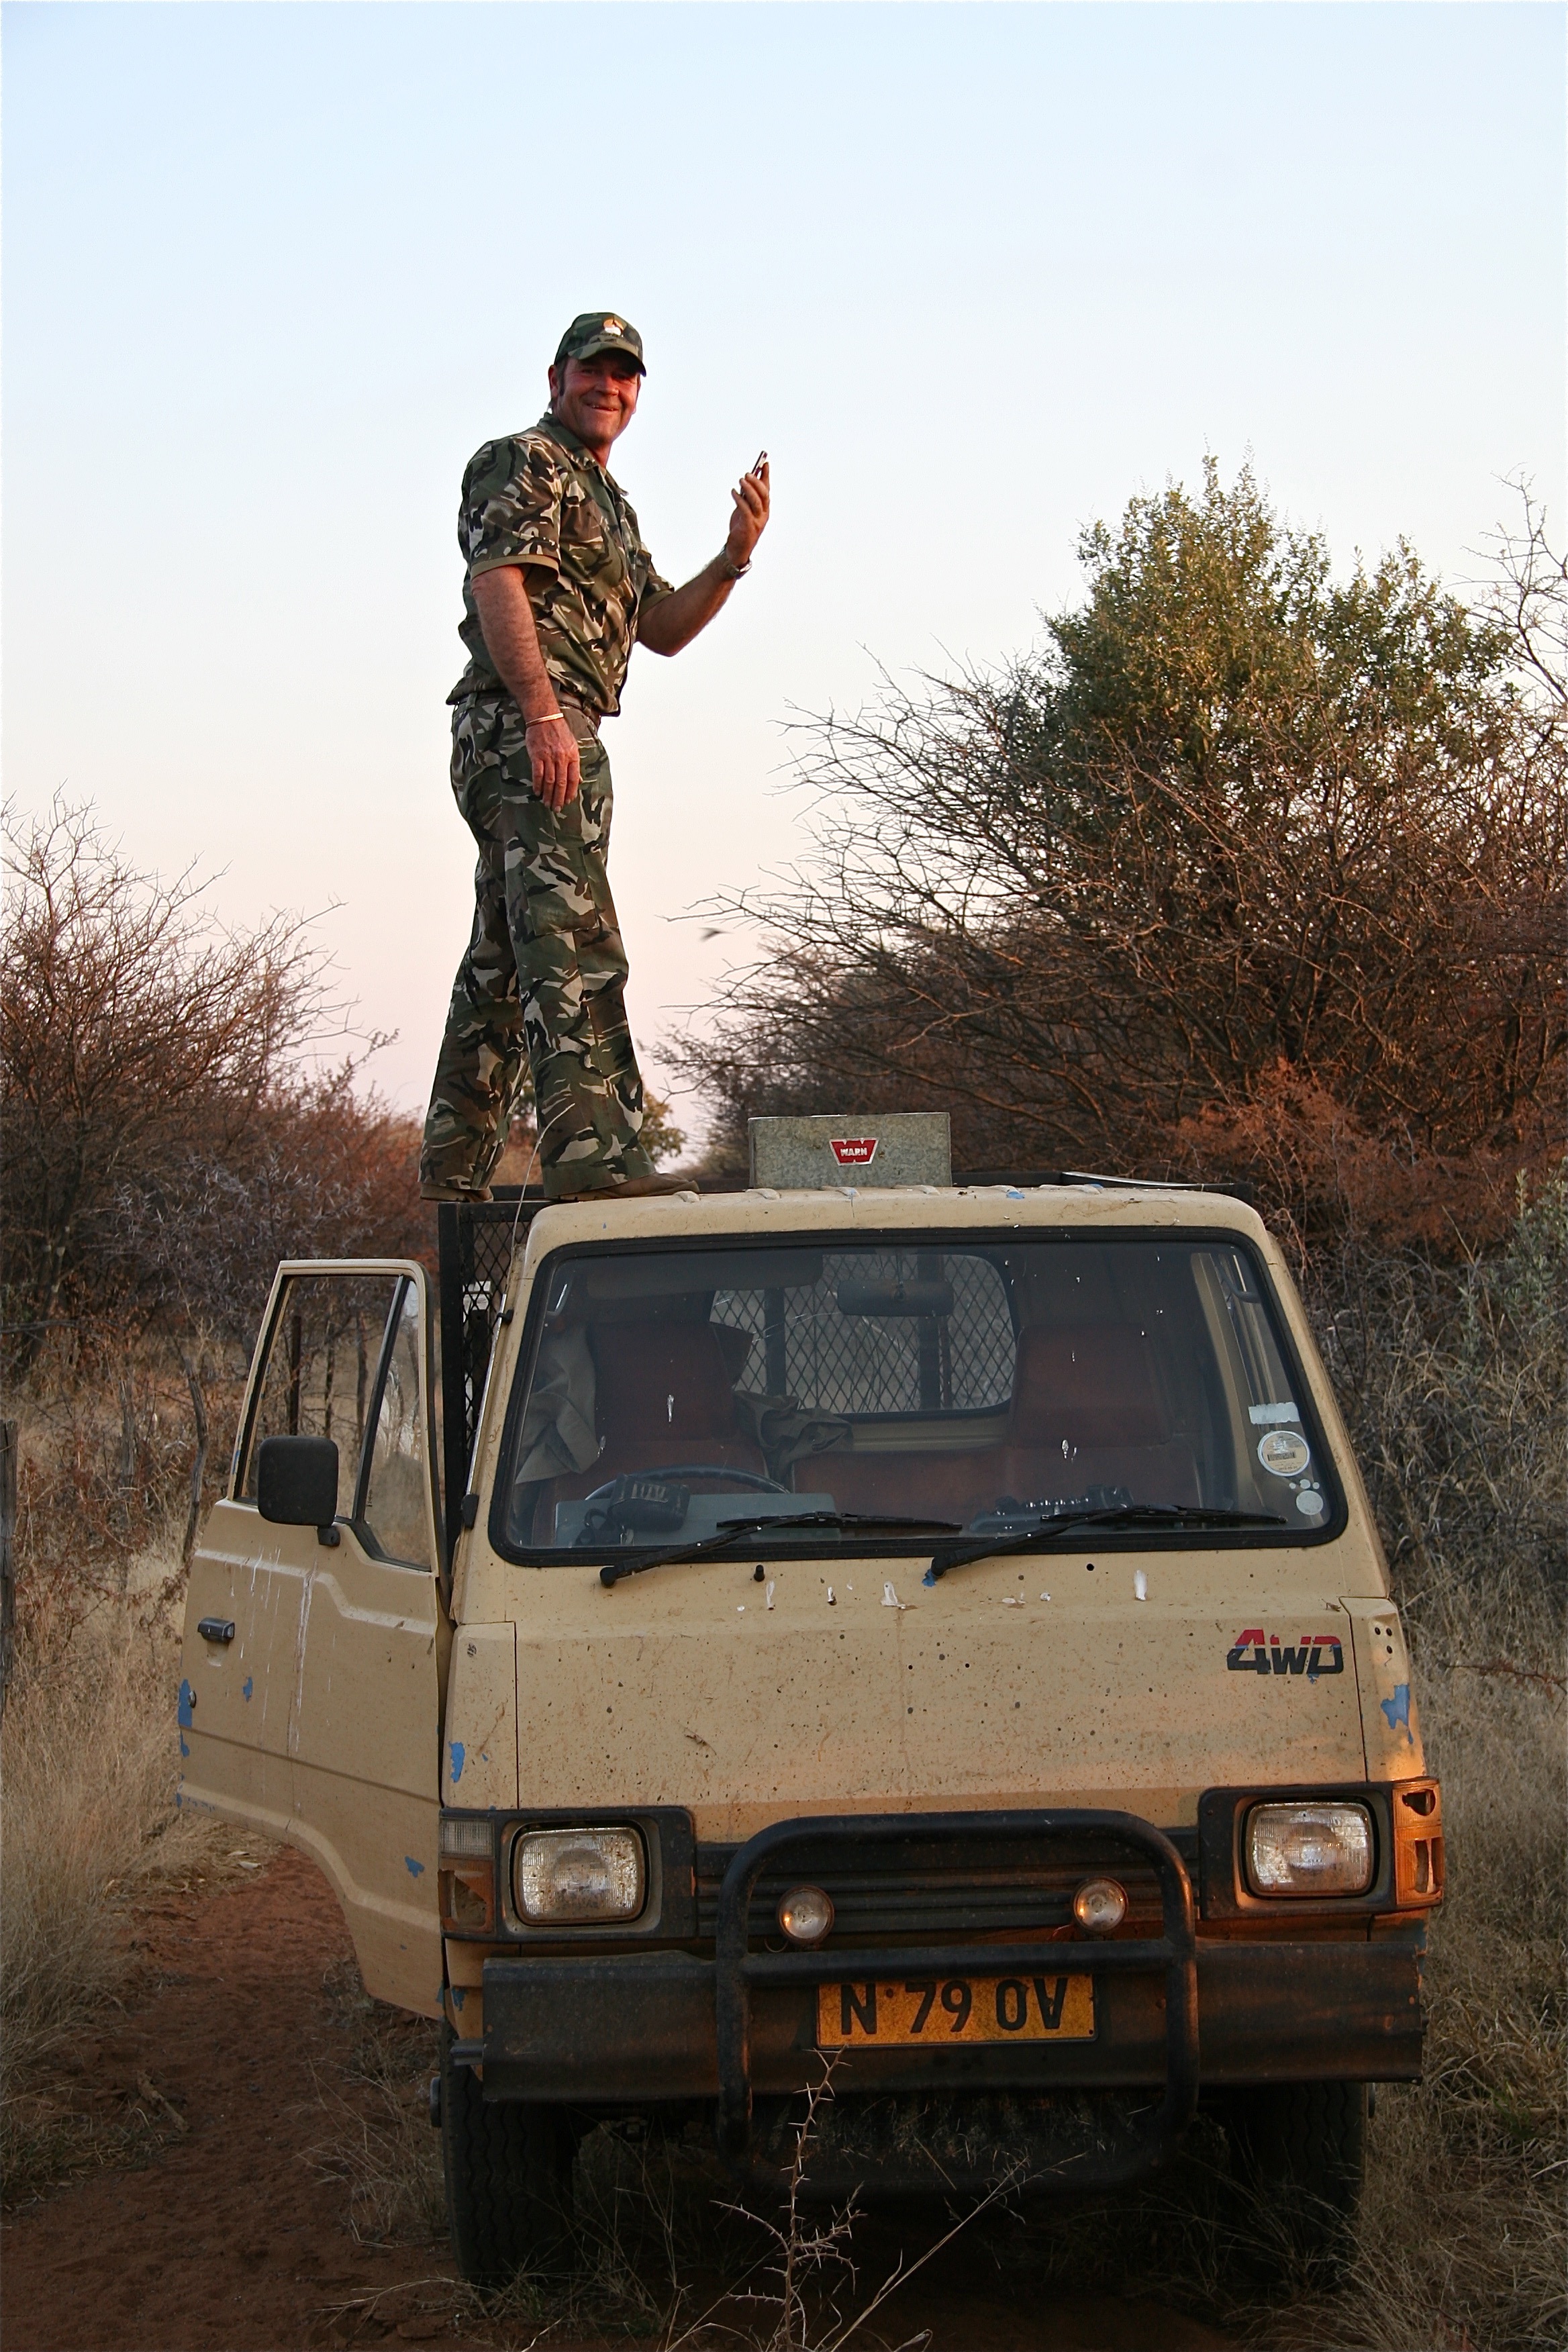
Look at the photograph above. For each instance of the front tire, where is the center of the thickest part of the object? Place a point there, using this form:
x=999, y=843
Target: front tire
x=1300, y=2147
x=507, y=2171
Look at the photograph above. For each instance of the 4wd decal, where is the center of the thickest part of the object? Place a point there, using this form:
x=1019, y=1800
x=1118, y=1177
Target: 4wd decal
x=853, y=1151
x=1260, y=1652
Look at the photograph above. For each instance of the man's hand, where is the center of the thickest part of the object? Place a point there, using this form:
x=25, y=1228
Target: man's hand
x=553, y=761
x=750, y=519
x=676, y=619
x=512, y=637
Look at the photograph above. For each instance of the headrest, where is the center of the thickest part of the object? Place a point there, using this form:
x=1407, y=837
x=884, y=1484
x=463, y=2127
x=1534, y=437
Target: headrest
x=661, y=1380
x=1091, y=1383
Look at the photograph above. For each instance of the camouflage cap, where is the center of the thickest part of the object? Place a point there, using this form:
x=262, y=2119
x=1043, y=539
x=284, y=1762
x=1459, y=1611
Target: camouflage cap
x=600, y=331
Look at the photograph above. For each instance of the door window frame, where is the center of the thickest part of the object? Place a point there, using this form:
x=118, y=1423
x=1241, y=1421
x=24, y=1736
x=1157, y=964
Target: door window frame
x=403, y=1272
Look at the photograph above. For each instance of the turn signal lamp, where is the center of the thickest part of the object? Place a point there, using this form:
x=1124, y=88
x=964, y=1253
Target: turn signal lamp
x=578, y=1877
x=1099, y=1906
x=805, y=1913
x=1310, y=1849
x=466, y=1877
x=1417, y=1844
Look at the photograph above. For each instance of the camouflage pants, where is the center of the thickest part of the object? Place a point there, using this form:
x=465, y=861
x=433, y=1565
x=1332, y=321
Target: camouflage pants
x=543, y=976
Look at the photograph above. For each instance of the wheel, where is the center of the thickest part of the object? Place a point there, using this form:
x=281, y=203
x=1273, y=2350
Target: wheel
x=508, y=2180
x=1300, y=2147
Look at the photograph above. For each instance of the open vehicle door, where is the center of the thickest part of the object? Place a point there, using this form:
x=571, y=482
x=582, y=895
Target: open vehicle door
x=315, y=1653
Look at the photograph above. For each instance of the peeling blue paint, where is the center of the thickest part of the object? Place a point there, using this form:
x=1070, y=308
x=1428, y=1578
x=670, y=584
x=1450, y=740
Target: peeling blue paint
x=457, y=1996
x=929, y=1576
x=1013, y=1192
x=1397, y=1710
x=248, y=1686
x=184, y=1746
x=459, y=1756
x=415, y=1869
x=187, y=1702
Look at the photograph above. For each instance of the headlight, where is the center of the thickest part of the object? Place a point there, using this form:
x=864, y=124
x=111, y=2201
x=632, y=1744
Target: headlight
x=561, y=1877
x=1311, y=1849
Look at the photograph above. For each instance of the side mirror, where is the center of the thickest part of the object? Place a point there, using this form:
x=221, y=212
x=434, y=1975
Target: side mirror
x=297, y=1483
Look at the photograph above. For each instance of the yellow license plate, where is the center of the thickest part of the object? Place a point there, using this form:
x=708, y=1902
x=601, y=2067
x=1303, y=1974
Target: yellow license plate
x=900, y=2012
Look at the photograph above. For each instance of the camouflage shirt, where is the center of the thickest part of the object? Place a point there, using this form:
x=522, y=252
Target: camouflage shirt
x=537, y=499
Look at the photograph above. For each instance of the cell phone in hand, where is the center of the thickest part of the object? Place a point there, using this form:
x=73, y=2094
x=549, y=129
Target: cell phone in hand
x=762, y=461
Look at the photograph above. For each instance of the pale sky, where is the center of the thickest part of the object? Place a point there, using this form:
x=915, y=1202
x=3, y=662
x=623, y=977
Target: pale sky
x=973, y=274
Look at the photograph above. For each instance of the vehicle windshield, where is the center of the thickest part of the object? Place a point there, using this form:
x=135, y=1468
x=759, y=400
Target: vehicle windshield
x=990, y=1384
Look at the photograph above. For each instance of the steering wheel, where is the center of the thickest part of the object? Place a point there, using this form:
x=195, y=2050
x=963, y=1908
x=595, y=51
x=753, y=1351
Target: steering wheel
x=702, y=1470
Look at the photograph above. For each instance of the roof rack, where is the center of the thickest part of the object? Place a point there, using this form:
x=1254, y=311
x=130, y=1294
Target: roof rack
x=1029, y=1178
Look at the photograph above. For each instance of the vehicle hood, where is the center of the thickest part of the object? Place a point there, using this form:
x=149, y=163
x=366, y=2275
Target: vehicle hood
x=1138, y=1682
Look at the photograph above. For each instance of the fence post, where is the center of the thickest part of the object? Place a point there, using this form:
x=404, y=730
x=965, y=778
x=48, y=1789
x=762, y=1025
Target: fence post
x=8, y=1552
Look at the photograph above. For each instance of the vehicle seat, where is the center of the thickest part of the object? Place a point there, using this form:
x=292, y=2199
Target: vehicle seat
x=947, y=1485
x=662, y=1396
x=1088, y=1412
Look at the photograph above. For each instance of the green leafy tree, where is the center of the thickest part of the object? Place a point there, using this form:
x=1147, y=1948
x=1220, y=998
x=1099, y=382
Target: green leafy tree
x=1241, y=871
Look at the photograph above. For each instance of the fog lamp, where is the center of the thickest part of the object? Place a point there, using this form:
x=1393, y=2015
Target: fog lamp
x=805, y=1913
x=1311, y=1849
x=579, y=1876
x=1099, y=1906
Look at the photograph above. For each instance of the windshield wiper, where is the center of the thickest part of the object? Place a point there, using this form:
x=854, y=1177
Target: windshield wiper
x=1119, y=1515
x=731, y=1530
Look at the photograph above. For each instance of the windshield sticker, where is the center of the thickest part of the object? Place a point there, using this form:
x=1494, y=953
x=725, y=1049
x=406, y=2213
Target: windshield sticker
x=1285, y=1452
x=1257, y=1652
x=1309, y=1503
x=1261, y=1414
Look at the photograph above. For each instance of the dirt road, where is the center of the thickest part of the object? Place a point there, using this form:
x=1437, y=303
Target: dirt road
x=228, y=2239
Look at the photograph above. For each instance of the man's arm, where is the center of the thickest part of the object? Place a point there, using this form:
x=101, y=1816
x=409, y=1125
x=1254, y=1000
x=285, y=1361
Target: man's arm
x=511, y=640
x=678, y=617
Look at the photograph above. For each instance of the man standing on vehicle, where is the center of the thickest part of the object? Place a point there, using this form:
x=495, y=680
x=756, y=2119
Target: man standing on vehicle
x=559, y=587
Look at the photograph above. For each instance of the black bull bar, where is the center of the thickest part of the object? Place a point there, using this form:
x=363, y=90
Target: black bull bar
x=1174, y=1954
x=713, y=2000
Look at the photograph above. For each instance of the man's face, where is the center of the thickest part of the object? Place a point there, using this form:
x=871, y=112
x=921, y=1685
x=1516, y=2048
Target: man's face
x=596, y=398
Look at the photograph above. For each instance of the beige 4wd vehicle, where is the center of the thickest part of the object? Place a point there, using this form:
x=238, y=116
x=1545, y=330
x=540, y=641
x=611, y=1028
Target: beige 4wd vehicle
x=938, y=1632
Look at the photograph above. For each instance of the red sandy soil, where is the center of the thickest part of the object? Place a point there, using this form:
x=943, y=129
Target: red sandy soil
x=227, y=2240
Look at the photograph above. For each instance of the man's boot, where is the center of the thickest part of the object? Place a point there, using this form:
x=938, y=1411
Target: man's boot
x=635, y=1188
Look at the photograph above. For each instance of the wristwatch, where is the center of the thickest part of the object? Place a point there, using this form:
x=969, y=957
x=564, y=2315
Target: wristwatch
x=736, y=570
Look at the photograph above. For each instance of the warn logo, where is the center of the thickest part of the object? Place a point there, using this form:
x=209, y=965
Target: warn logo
x=1258, y=1652
x=853, y=1151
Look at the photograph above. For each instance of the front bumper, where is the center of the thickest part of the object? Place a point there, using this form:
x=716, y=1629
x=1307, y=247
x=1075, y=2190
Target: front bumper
x=1172, y=2015
x=643, y=2029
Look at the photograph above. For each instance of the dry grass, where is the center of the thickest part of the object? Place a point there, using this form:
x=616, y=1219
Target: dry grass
x=1454, y=1382
x=1452, y=1378
x=376, y=2136
x=90, y=1760
x=1462, y=2242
